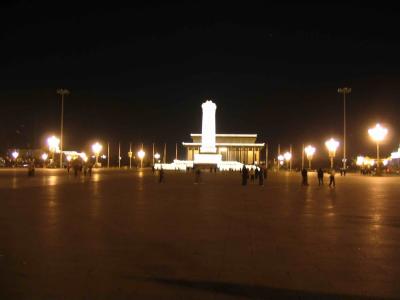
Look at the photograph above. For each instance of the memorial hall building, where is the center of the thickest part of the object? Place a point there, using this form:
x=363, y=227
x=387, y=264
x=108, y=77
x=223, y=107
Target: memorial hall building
x=242, y=148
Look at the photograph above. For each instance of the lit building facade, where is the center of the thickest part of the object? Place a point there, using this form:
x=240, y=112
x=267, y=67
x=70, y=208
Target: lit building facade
x=232, y=147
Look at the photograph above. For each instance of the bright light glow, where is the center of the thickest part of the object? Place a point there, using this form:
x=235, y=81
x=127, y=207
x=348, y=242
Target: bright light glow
x=83, y=156
x=200, y=158
x=281, y=158
x=96, y=148
x=208, y=139
x=378, y=133
x=103, y=156
x=69, y=157
x=141, y=154
x=309, y=150
x=395, y=155
x=45, y=156
x=332, y=145
x=53, y=143
x=385, y=162
x=360, y=160
x=157, y=156
x=15, y=154
x=287, y=156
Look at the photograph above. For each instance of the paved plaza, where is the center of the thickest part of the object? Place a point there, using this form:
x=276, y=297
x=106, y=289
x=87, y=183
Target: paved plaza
x=122, y=235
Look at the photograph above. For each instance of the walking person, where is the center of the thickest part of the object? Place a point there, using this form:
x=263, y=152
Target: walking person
x=320, y=175
x=261, y=178
x=252, y=175
x=304, y=176
x=245, y=175
x=197, y=176
x=332, y=179
x=90, y=169
x=161, y=175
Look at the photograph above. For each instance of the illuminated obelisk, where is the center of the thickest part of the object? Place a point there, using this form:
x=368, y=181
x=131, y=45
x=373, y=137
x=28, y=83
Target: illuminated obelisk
x=208, y=128
x=208, y=155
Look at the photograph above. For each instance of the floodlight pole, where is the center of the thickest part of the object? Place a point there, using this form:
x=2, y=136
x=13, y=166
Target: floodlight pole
x=108, y=155
x=153, y=154
x=279, y=153
x=344, y=91
x=62, y=92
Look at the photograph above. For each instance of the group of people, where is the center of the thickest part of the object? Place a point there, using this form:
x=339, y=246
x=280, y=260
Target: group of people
x=254, y=174
x=80, y=167
x=320, y=176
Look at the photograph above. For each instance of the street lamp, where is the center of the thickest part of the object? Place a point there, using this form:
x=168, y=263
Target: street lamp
x=53, y=143
x=310, y=151
x=332, y=145
x=287, y=156
x=378, y=134
x=280, y=160
x=344, y=91
x=157, y=157
x=15, y=154
x=62, y=92
x=141, y=155
x=96, y=148
x=44, y=158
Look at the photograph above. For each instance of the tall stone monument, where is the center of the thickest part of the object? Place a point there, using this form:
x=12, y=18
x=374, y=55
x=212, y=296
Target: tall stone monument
x=208, y=128
x=208, y=152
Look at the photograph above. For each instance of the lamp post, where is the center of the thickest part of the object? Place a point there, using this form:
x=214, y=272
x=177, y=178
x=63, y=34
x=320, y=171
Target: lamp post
x=141, y=155
x=157, y=157
x=281, y=158
x=378, y=134
x=96, y=148
x=332, y=145
x=310, y=151
x=44, y=158
x=62, y=92
x=288, y=157
x=344, y=91
x=53, y=143
x=130, y=154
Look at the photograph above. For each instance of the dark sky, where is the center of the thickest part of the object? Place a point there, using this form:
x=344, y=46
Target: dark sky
x=139, y=73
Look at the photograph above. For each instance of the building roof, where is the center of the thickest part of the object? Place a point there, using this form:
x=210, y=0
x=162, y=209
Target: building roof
x=228, y=138
x=227, y=144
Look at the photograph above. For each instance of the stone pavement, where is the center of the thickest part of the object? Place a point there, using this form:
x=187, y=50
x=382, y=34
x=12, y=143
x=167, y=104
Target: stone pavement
x=121, y=235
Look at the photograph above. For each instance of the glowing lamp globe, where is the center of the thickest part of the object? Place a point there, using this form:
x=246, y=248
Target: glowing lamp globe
x=310, y=151
x=332, y=146
x=96, y=148
x=378, y=133
x=287, y=156
x=141, y=154
x=53, y=143
x=45, y=156
x=15, y=154
x=157, y=156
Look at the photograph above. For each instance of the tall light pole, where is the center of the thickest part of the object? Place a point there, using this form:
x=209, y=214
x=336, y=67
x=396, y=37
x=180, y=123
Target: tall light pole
x=62, y=92
x=130, y=154
x=378, y=134
x=344, y=91
x=108, y=155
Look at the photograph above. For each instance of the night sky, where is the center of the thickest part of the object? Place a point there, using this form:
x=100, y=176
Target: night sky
x=140, y=73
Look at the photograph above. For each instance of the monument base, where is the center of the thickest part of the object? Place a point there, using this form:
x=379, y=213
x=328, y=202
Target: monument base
x=207, y=159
